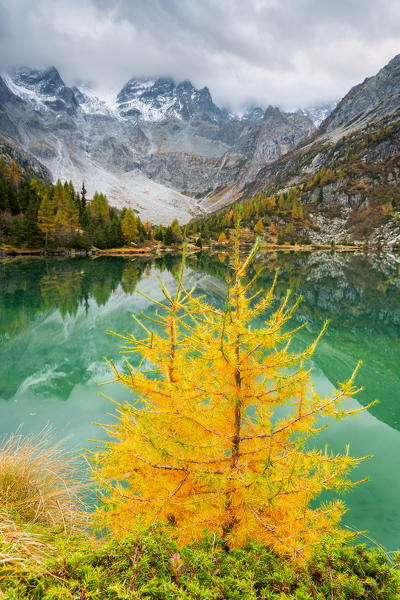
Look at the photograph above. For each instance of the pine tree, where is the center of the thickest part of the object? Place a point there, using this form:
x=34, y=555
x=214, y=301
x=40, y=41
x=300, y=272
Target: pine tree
x=169, y=236
x=46, y=219
x=15, y=174
x=201, y=447
x=99, y=209
x=31, y=232
x=114, y=234
x=83, y=212
x=83, y=195
x=159, y=233
x=71, y=214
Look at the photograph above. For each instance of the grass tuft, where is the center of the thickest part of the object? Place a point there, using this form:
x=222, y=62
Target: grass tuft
x=40, y=497
x=38, y=481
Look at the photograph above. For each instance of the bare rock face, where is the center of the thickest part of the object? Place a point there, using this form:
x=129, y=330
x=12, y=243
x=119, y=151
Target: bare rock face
x=278, y=134
x=160, y=147
x=370, y=100
x=10, y=150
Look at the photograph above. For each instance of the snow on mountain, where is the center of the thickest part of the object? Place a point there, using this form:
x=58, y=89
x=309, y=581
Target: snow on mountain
x=161, y=99
x=254, y=113
x=30, y=95
x=139, y=99
x=92, y=104
x=318, y=113
x=43, y=89
x=156, y=146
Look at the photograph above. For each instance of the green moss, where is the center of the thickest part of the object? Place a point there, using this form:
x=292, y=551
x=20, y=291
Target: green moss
x=140, y=567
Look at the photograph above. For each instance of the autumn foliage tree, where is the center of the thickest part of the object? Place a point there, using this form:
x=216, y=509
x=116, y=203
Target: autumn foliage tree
x=200, y=447
x=222, y=237
x=46, y=218
x=129, y=227
x=259, y=228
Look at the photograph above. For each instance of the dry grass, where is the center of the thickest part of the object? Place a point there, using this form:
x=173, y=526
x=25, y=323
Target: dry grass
x=39, y=481
x=17, y=545
x=39, y=488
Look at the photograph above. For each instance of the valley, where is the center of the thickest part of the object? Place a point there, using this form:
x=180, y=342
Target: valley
x=165, y=150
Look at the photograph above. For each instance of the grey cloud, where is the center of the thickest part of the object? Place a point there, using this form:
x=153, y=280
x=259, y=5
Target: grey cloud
x=284, y=52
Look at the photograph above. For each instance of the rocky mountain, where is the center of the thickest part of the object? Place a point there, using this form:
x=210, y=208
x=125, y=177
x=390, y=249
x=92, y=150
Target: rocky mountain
x=278, y=133
x=374, y=98
x=162, y=147
x=347, y=176
x=9, y=150
x=163, y=99
x=318, y=113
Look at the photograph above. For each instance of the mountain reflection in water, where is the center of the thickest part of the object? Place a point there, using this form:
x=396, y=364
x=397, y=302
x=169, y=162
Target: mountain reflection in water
x=54, y=314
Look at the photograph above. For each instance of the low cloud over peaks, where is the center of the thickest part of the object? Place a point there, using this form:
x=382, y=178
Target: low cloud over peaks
x=289, y=53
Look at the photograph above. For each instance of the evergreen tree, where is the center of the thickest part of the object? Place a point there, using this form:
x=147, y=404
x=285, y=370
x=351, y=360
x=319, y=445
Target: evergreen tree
x=169, y=236
x=114, y=234
x=159, y=233
x=129, y=227
x=83, y=212
x=31, y=233
x=46, y=219
x=98, y=209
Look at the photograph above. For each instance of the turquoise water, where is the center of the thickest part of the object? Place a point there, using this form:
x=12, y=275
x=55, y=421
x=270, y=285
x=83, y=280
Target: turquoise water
x=54, y=314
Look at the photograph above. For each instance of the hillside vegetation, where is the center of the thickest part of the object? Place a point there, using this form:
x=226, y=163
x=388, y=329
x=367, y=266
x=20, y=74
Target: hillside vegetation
x=344, y=191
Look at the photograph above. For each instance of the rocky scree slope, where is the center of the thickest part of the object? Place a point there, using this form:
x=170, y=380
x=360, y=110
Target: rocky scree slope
x=162, y=147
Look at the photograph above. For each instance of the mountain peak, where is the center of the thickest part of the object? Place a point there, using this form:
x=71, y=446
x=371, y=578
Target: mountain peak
x=163, y=98
x=253, y=113
x=41, y=87
x=273, y=113
x=47, y=80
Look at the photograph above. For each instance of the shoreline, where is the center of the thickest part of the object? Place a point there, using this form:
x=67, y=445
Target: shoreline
x=156, y=251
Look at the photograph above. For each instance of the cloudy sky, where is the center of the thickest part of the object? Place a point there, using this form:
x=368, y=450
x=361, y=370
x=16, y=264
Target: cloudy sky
x=288, y=53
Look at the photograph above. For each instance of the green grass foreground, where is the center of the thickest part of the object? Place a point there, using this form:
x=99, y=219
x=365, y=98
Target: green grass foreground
x=150, y=566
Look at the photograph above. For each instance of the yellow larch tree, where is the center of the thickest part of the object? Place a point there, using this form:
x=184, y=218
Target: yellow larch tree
x=200, y=446
x=270, y=203
x=259, y=227
x=222, y=238
x=129, y=227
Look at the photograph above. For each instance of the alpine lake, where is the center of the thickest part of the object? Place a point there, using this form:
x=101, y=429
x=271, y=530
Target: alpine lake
x=55, y=313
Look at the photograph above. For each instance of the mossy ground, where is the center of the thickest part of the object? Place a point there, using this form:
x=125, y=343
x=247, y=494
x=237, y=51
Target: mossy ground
x=149, y=566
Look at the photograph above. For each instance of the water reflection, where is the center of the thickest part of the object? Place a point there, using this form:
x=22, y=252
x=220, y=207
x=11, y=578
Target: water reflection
x=359, y=294
x=54, y=314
